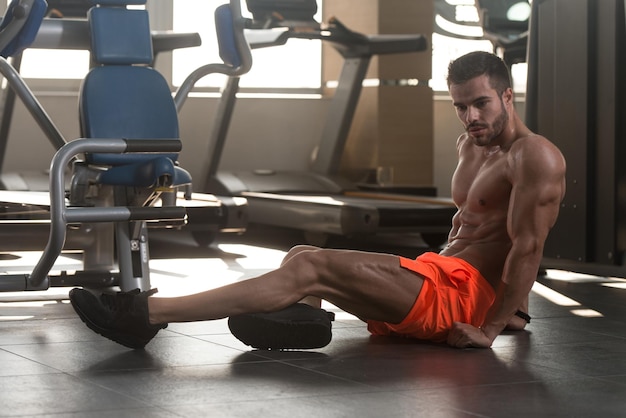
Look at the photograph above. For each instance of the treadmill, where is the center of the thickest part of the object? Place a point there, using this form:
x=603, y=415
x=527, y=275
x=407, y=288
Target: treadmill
x=319, y=202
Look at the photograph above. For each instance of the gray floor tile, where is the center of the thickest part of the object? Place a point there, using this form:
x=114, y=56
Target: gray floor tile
x=563, y=365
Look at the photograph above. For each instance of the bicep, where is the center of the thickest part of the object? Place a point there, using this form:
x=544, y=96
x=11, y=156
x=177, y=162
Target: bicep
x=538, y=187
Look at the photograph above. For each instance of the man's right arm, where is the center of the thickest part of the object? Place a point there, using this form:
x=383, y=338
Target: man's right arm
x=538, y=187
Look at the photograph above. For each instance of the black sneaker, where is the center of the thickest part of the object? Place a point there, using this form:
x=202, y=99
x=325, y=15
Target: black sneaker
x=299, y=326
x=122, y=317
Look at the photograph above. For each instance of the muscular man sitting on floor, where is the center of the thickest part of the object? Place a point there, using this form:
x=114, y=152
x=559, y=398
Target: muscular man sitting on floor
x=508, y=185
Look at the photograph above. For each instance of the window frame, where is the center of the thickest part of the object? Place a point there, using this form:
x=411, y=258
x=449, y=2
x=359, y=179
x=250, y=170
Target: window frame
x=161, y=14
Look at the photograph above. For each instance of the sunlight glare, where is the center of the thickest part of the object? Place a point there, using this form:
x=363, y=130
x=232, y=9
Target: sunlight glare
x=16, y=318
x=255, y=257
x=587, y=313
x=553, y=296
x=562, y=300
x=615, y=285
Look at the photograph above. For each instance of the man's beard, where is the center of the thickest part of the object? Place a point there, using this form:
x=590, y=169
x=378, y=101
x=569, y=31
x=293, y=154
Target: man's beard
x=493, y=131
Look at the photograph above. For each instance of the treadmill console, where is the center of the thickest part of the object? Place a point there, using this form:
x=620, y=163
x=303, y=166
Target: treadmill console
x=282, y=13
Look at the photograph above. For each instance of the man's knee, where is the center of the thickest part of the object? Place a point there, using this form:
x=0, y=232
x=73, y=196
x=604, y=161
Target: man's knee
x=297, y=250
x=327, y=268
x=300, y=248
x=322, y=266
x=303, y=262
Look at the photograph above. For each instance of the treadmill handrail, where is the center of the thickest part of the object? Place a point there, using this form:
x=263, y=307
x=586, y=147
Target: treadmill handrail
x=349, y=43
x=379, y=45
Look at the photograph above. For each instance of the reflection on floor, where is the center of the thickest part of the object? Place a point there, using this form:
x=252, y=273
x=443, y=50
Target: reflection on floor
x=571, y=362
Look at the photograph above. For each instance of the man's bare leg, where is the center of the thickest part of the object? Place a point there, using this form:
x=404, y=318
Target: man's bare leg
x=368, y=285
x=314, y=301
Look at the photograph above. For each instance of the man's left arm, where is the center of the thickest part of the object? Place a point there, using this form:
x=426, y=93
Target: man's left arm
x=538, y=186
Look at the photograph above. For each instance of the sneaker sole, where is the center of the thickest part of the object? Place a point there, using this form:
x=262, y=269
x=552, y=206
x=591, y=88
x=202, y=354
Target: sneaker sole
x=262, y=332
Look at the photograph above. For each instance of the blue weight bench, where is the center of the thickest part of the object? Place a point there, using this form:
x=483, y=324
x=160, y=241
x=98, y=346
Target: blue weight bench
x=122, y=97
x=125, y=174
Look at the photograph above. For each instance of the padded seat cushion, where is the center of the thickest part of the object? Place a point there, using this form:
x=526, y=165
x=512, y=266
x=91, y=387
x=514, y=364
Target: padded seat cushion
x=146, y=174
x=120, y=36
x=126, y=102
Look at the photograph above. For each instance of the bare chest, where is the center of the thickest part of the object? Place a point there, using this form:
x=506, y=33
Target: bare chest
x=482, y=183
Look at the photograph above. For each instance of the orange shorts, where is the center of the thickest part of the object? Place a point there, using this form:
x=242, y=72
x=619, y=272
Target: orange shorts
x=453, y=290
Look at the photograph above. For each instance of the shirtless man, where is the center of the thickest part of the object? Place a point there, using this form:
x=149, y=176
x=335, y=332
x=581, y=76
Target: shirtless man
x=507, y=186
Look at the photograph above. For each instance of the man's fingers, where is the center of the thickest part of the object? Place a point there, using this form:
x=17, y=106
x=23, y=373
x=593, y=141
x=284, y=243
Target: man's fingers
x=464, y=335
x=457, y=337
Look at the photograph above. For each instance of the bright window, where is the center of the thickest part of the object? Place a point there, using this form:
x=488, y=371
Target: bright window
x=294, y=65
x=446, y=49
x=54, y=63
x=461, y=19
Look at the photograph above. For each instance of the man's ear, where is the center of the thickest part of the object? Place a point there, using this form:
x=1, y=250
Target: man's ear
x=507, y=96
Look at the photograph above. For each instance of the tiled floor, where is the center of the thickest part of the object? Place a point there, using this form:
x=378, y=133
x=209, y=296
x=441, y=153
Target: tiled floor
x=571, y=361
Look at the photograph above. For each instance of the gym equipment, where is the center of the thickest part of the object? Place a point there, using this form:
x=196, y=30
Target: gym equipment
x=281, y=13
x=506, y=29
x=203, y=221
x=575, y=92
x=65, y=33
x=318, y=202
x=124, y=171
x=446, y=23
x=68, y=8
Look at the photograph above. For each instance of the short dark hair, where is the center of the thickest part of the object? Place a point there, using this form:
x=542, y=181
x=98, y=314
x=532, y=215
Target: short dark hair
x=479, y=63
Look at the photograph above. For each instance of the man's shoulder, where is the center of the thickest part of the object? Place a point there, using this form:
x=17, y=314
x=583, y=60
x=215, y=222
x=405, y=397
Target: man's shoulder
x=537, y=152
x=532, y=138
x=462, y=140
x=535, y=144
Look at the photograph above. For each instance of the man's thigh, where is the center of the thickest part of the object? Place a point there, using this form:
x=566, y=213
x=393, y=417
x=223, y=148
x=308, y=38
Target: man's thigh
x=369, y=285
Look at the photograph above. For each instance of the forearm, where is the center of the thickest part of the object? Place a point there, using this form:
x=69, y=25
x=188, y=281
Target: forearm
x=518, y=277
